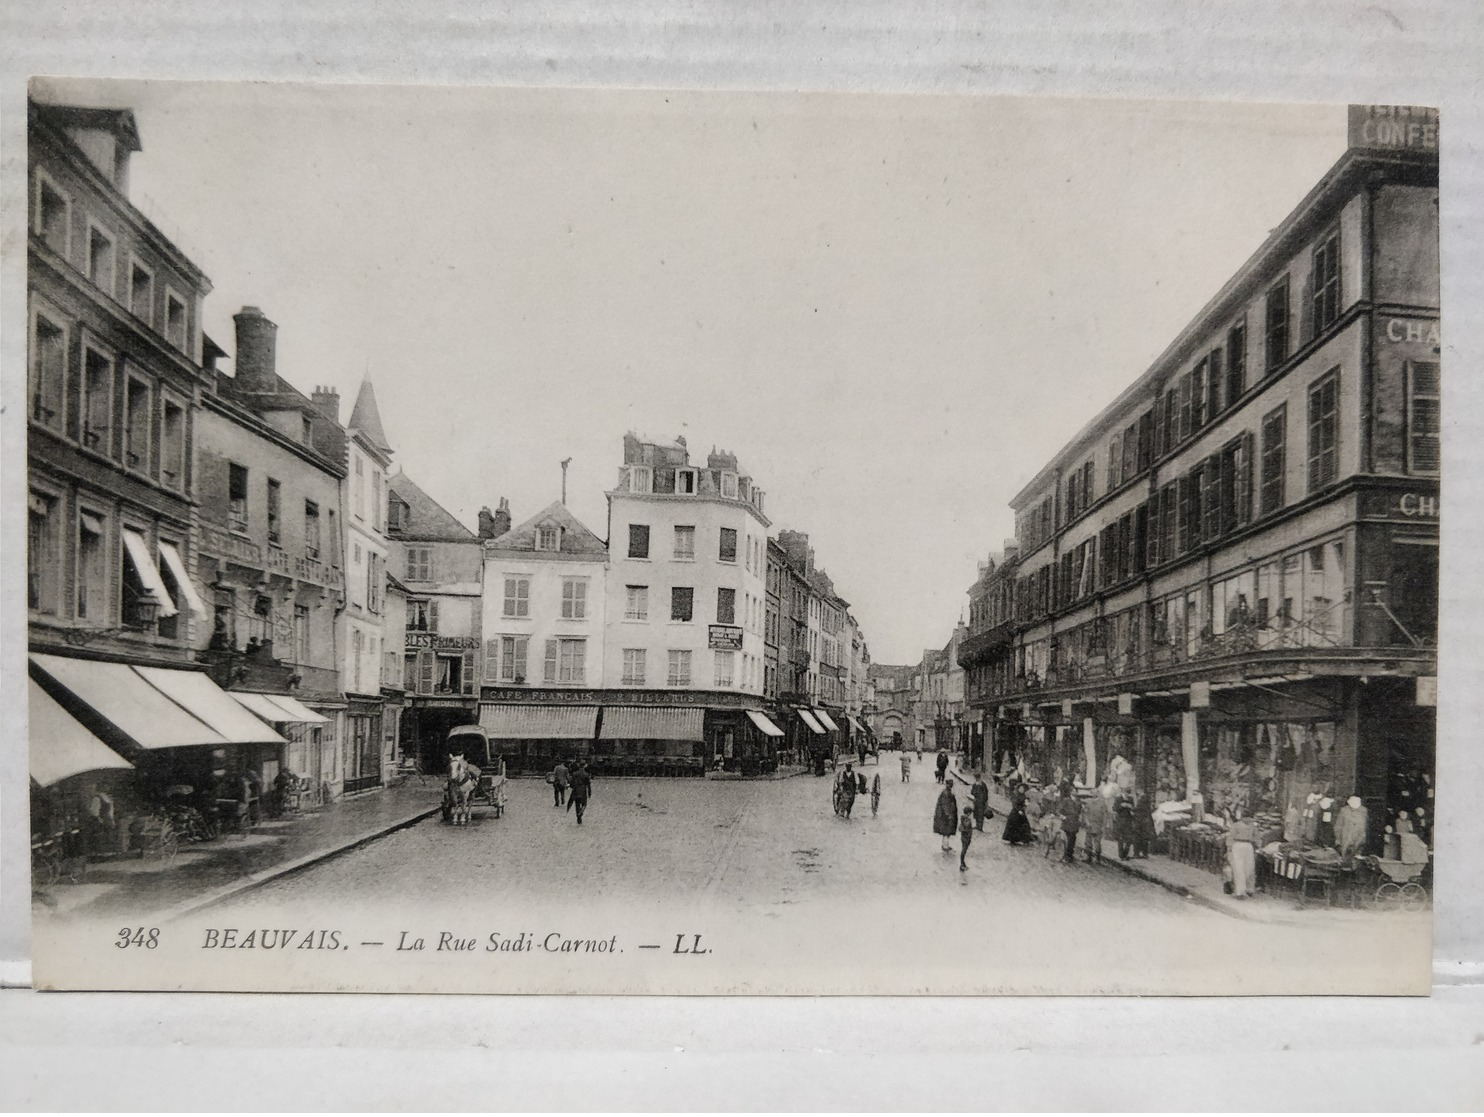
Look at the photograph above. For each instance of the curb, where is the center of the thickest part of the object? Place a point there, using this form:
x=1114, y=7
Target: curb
x=276, y=872
x=1168, y=885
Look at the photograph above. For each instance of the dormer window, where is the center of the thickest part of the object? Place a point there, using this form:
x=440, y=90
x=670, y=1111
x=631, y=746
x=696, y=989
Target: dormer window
x=641, y=479
x=685, y=481
x=548, y=538
x=729, y=484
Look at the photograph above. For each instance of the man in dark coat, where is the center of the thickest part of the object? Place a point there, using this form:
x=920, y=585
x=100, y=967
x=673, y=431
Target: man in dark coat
x=945, y=817
x=1070, y=809
x=846, y=788
x=980, y=795
x=581, y=789
x=942, y=765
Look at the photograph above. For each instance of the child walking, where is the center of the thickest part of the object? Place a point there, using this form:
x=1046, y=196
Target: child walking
x=965, y=837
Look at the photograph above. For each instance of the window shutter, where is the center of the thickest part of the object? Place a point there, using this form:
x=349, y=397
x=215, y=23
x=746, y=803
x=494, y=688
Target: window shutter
x=1158, y=440
x=1186, y=484
x=1211, y=498
x=1214, y=391
x=433, y=615
x=551, y=661
x=1244, y=478
x=492, y=661
x=1185, y=412
x=427, y=671
x=522, y=643
x=467, y=682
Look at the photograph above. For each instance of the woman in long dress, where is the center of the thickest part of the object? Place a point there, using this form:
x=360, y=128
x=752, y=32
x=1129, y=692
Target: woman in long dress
x=1017, y=825
x=1241, y=851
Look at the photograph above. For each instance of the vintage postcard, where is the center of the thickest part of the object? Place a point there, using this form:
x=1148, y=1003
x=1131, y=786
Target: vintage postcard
x=557, y=541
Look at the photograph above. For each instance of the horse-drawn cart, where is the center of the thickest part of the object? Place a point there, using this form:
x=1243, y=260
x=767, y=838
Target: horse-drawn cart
x=486, y=773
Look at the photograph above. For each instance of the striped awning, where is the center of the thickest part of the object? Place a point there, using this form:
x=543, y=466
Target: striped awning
x=657, y=723
x=764, y=722
x=211, y=704
x=538, y=723
x=825, y=720
x=120, y=696
x=277, y=707
x=859, y=728
x=808, y=719
x=61, y=746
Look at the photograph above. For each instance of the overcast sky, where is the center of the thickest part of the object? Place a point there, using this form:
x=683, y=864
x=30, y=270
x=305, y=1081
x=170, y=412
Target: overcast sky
x=893, y=309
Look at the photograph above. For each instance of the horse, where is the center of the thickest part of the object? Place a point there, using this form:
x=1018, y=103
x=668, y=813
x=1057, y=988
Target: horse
x=463, y=778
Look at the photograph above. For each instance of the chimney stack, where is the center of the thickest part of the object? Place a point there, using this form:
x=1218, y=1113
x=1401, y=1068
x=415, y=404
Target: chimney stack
x=327, y=403
x=257, y=346
x=1012, y=550
x=500, y=522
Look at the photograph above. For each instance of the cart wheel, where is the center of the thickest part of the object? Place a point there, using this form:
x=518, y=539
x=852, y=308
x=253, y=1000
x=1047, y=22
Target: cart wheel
x=1389, y=896
x=1414, y=897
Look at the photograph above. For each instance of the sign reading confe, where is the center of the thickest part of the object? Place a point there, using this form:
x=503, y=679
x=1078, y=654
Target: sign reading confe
x=1394, y=127
x=441, y=643
x=724, y=637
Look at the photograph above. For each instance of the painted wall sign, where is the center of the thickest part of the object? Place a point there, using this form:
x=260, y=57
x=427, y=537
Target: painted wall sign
x=1418, y=505
x=442, y=643
x=1413, y=331
x=1200, y=695
x=1412, y=505
x=1427, y=690
x=724, y=637
x=1394, y=127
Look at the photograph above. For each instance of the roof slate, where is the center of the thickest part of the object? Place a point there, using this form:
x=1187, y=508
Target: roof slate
x=426, y=518
x=576, y=538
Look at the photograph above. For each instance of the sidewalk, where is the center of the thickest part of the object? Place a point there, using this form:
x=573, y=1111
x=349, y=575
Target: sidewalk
x=1202, y=887
x=204, y=873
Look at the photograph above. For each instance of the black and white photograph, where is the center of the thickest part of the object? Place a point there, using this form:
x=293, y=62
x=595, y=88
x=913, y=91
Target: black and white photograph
x=522, y=540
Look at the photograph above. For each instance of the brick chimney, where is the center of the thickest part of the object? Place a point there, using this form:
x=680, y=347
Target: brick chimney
x=499, y=522
x=327, y=403
x=1012, y=550
x=257, y=347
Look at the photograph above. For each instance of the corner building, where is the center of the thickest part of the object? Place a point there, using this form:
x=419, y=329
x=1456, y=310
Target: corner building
x=1230, y=576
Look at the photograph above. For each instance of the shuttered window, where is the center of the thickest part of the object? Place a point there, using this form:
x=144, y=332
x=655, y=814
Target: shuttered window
x=1276, y=320
x=1214, y=384
x=1274, y=459
x=1236, y=362
x=1326, y=281
x=1324, y=421
x=517, y=597
x=1424, y=417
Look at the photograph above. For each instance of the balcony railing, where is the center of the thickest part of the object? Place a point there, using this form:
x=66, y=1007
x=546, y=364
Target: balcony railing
x=221, y=543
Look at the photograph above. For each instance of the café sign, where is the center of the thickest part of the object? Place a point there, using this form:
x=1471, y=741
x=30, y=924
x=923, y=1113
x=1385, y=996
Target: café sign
x=724, y=637
x=1394, y=127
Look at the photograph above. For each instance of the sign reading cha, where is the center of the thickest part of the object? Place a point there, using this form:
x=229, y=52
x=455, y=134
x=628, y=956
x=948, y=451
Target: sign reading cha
x=1420, y=506
x=1414, y=331
x=1394, y=127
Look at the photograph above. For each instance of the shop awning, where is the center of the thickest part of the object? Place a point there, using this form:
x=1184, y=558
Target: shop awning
x=857, y=726
x=211, y=704
x=149, y=573
x=824, y=720
x=119, y=694
x=808, y=719
x=61, y=746
x=634, y=723
x=765, y=723
x=277, y=707
x=538, y=723
x=171, y=557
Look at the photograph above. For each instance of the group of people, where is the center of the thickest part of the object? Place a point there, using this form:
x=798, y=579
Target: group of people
x=948, y=819
x=1109, y=812
x=571, y=785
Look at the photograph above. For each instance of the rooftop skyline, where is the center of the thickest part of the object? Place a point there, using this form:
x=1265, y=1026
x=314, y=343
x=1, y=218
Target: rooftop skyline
x=893, y=309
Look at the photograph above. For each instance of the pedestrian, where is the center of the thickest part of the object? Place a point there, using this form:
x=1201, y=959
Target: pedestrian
x=875, y=793
x=860, y=750
x=965, y=837
x=906, y=766
x=945, y=817
x=582, y=788
x=1094, y=822
x=980, y=795
x=919, y=750
x=942, y=765
x=1143, y=827
x=1017, y=825
x=845, y=792
x=1070, y=811
x=1123, y=824
x=560, y=777
x=1241, y=847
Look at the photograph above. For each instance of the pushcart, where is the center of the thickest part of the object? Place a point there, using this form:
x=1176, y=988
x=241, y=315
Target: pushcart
x=1392, y=885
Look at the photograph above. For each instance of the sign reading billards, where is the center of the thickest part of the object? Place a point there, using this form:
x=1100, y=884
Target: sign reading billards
x=725, y=637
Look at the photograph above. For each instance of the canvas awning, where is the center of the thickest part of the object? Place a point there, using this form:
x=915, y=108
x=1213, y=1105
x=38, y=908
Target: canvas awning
x=171, y=558
x=277, y=707
x=764, y=722
x=659, y=723
x=211, y=704
x=120, y=695
x=808, y=719
x=149, y=573
x=825, y=720
x=538, y=723
x=859, y=728
x=61, y=746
